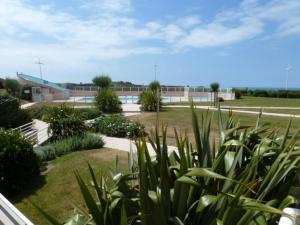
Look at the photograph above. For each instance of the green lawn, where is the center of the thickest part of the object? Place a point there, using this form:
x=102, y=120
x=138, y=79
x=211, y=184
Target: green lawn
x=3, y=92
x=283, y=111
x=180, y=118
x=58, y=189
x=256, y=101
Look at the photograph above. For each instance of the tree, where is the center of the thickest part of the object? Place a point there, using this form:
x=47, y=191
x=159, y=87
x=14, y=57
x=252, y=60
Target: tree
x=12, y=86
x=154, y=85
x=215, y=89
x=1, y=83
x=106, y=99
x=103, y=81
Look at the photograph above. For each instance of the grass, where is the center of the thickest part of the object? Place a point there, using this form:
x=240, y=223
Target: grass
x=254, y=101
x=3, y=92
x=283, y=111
x=58, y=189
x=180, y=118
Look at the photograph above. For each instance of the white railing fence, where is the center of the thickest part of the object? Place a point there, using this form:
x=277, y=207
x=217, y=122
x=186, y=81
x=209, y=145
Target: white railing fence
x=10, y=215
x=36, y=132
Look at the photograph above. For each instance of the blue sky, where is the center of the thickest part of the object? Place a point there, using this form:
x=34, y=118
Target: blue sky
x=194, y=42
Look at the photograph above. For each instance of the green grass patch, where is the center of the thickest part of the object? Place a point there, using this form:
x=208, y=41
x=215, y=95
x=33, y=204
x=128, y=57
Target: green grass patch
x=58, y=189
x=252, y=101
x=180, y=118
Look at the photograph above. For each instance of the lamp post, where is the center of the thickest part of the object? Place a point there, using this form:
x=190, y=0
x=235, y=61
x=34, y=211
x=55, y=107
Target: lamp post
x=288, y=69
x=40, y=67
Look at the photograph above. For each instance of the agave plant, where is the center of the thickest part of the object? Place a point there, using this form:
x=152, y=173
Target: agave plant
x=245, y=178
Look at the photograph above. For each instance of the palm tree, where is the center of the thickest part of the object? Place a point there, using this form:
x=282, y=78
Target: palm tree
x=215, y=89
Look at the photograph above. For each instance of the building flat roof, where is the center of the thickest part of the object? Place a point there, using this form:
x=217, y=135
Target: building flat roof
x=41, y=82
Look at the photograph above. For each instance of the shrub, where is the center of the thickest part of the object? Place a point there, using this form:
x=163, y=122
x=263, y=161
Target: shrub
x=65, y=122
x=76, y=143
x=238, y=93
x=220, y=99
x=11, y=115
x=154, y=85
x=19, y=165
x=117, y=126
x=104, y=82
x=107, y=101
x=1, y=83
x=148, y=101
x=260, y=93
x=40, y=111
x=45, y=153
x=89, y=113
x=12, y=86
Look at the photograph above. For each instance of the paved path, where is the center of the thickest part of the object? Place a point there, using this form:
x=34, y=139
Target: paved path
x=257, y=107
x=27, y=105
x=124, y=144
x=238, y=111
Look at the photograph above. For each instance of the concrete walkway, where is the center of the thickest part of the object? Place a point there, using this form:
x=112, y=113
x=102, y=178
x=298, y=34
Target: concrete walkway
x=238, y=111
x=257, y=107
x=27, y=105
x=124, y=144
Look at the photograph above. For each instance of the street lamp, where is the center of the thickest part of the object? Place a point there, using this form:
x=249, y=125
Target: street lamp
x=288, y=69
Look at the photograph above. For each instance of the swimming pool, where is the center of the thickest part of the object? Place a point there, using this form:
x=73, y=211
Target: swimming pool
x=135, y=99
x=123, y=99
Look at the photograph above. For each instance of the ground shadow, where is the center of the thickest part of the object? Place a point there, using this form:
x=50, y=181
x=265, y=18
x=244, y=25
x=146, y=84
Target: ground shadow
x=30, y=189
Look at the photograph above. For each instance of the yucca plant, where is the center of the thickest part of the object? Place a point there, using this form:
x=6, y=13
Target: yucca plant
x=245, y=178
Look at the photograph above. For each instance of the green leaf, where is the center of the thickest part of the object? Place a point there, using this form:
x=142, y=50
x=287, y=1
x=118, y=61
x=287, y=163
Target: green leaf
x=188, y=180
x=205, y=201
x=90, y=202
x=229, y=159
x=203, y=172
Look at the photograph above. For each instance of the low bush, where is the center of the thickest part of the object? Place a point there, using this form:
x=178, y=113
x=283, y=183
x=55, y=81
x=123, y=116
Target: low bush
x=19, y=165
x=76, y=143
x=238, y=93
x=65, y=122
x=271, y=93
x=220, y=99
x=11, y=115
x=40, y=111
x=117, y=126
x=107, y=101
x=89, y=113
x=149, y=101
x=45, y=153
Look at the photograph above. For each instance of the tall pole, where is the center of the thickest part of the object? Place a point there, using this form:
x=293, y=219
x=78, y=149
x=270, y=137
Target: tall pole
x=39, y=63
x=158, y=97
x=288, y=68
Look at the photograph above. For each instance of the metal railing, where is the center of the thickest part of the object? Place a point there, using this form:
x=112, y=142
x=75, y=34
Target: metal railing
x=36, y=132
x=145, y=88
x=28, y=132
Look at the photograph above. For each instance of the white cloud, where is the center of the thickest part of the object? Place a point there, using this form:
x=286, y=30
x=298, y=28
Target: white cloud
x=28, y=31
x=189, y=21
x=108, y=6
x=248, y=21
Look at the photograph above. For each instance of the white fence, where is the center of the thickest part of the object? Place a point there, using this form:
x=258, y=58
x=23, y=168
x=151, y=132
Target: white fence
x=10, y=215
x=36, y=132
